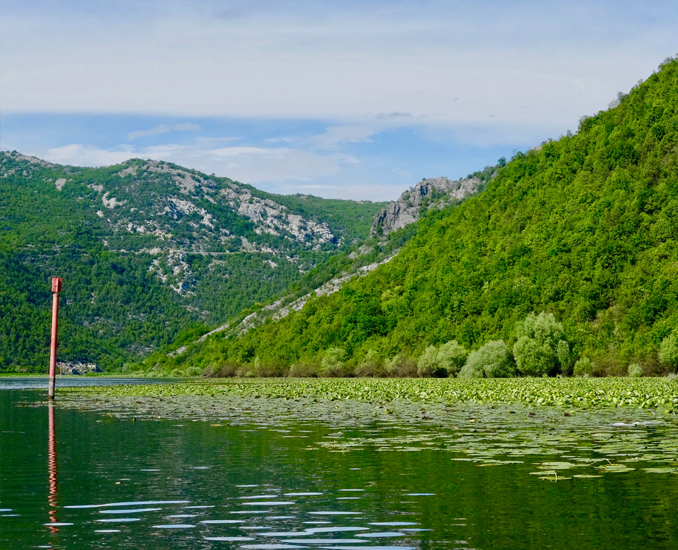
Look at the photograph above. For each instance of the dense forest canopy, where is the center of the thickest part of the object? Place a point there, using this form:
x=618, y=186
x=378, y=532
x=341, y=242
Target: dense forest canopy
x=582, y=231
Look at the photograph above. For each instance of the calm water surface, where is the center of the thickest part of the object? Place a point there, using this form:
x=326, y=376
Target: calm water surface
x=40, y=382
x=70, y=479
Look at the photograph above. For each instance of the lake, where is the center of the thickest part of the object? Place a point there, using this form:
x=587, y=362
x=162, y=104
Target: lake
x=74, y=479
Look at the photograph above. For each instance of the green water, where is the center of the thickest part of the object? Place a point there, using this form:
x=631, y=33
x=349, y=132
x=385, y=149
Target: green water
x=179, y=484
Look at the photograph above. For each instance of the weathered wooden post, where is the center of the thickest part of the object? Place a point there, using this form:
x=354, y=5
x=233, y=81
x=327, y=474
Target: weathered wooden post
x=56, y=288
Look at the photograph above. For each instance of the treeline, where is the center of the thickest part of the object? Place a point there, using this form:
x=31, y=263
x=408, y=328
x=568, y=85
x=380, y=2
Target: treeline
x=540, y=350
x=583, y=229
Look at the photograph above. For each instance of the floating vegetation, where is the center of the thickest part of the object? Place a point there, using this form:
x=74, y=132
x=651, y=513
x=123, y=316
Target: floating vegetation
x=567, y=392
x=555, y=429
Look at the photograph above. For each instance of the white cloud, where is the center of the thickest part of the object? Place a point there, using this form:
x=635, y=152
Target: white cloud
x=83, y=155
x=523, y=62
x=163, y=129
x=346, y=133
x=186, y=127
x=247, y=164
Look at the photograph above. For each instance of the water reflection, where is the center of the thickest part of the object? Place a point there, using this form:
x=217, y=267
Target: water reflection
x=424, y=500
x=40, y=382
x=52, y=469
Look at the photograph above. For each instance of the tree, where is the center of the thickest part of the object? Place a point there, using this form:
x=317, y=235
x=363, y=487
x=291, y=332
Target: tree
x=444, y=361
x=493, y=360
x=668, y=351
x=371, y=365
x=333, y=362
x=541, y=347
x=452, y=357
x=583, y=367
x=428, y=363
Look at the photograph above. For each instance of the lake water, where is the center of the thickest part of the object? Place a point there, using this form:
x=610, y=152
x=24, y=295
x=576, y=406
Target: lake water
x=72, y=479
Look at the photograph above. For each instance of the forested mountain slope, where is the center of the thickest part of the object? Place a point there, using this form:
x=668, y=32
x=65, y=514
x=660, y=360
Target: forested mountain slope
x=585, y=228
x=147, y=250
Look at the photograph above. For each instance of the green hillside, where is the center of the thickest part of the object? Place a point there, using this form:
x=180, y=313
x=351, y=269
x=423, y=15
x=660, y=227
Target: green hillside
x=150, y=253
x=584, y=228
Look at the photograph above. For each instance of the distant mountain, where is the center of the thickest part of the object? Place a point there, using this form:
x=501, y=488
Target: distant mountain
x=584, y=228
x=147, y=250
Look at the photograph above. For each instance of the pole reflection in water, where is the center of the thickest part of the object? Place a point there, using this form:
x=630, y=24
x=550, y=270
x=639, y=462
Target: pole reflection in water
x=52, y=468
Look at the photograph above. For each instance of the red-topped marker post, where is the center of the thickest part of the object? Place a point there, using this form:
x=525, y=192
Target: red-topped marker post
x=56, y=288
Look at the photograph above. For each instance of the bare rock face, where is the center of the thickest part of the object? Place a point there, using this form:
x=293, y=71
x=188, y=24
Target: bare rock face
x=428, y=193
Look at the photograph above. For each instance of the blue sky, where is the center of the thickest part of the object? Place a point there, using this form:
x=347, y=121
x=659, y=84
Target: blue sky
x=338, y=99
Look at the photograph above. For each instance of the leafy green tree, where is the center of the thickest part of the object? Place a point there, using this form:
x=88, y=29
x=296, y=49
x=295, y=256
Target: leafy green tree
x=541, y=347
x=668, y=351
x=444, y=361
x=371, y=365
x=583, y=367
x=401, y=366
x=452, y=357
x=492, y=360
x=333, y=362
x=428, y=363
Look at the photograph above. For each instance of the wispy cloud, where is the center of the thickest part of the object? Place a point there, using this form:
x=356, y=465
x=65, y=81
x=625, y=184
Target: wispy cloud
x=163, y=129
x=337, y=95
x=346, y=133
x=246, y=164
x=83, y=155
x=334, y=61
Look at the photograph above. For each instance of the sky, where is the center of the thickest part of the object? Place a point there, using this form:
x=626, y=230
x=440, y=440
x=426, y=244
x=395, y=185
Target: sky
x=339, y=99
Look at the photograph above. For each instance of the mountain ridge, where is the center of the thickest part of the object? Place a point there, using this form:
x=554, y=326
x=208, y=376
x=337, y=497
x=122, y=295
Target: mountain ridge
x=216, y=245
x=582, y=228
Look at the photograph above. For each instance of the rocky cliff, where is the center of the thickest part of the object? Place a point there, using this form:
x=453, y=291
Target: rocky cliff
x=428, y=193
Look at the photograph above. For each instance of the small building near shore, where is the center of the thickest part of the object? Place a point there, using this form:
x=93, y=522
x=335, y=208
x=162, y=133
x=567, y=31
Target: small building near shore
x=72, y=367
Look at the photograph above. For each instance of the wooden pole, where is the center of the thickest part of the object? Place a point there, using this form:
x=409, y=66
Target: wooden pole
x=56, y=288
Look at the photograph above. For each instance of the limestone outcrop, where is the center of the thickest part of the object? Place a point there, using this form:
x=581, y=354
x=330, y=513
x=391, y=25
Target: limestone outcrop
x=428, y=193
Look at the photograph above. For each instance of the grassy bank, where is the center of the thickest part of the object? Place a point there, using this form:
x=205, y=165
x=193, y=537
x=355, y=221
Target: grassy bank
x=650, y=393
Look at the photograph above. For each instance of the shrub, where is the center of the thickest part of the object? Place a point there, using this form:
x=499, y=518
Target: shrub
x=304, y=370
x=372, y=365
x=222, y=370
x=401, y=366
x=176, y=373
x=446, y=361
x=583, y=367
x=269, y=369
x=333, y=362
x=635, y=370
x=193, y=371
x=257, y=366
x=452, y=357
x=541, y=347
x=246, y=371
x=428, y=364
x=492, y=360
x=668, y=351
